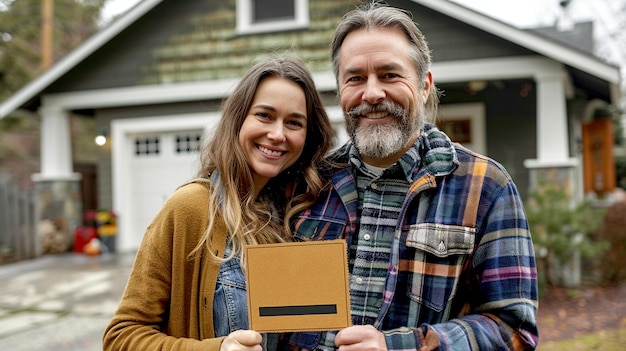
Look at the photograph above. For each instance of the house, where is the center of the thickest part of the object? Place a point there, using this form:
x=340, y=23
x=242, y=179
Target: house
x=153, y=81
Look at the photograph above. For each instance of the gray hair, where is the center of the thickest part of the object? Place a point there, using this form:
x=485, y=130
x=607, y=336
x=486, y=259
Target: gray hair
x=374, y=15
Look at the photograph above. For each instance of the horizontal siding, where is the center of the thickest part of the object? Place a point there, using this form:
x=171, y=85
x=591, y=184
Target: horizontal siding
x=182, y=41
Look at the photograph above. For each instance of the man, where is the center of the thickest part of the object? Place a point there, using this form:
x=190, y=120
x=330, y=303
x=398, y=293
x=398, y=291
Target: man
x=440, y=253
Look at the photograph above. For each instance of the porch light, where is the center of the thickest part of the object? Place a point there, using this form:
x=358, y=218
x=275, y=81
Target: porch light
x=101, y=138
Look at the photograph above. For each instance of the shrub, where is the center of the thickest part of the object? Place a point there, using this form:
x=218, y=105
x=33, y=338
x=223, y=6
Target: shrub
x=561, y=228
x=620, y=170
x=613, y=231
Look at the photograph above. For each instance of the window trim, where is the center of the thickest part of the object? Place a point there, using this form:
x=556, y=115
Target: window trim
x=245, y=25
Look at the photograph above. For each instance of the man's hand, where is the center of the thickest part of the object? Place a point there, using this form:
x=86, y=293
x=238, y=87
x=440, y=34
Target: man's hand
x=242, y=340
x=360, y=338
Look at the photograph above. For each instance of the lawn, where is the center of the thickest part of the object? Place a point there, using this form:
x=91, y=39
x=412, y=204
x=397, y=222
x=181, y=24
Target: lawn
x=606, y=340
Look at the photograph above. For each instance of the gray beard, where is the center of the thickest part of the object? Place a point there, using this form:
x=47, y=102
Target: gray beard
x=383, y=140
x=380, y=141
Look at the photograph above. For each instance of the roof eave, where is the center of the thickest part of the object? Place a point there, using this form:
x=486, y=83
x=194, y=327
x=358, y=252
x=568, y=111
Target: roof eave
x=36, y=86
x=532, y=41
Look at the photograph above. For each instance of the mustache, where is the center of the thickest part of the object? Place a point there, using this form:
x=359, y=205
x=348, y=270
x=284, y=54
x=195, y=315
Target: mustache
x=391, y=107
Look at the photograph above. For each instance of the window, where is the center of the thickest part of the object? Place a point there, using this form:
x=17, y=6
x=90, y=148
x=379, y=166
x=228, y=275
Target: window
x=465, y=123
x=147, y=146
x=459, y=130
x=258, y=16
x=188, y=143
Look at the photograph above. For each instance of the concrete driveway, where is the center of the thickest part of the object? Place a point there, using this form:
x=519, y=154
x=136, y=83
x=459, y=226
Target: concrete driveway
x=60, y=301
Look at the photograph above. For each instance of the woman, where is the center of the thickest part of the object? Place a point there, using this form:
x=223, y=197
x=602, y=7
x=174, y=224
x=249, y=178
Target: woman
x=186, y=290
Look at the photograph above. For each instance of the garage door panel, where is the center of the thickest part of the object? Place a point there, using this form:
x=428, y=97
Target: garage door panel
x=159, y=164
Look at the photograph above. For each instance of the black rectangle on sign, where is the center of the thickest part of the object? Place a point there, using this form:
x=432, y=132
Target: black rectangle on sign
x=297, y=310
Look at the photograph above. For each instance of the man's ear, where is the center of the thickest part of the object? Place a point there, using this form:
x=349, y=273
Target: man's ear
x=427, y=85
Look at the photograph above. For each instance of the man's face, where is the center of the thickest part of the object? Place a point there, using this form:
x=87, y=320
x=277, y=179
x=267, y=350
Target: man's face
x=380, y=94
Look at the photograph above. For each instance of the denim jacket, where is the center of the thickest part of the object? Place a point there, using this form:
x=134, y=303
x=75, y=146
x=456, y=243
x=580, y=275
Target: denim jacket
x=230, y=304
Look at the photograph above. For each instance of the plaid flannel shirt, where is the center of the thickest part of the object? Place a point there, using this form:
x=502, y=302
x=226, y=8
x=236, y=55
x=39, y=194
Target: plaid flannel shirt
x=462, y=273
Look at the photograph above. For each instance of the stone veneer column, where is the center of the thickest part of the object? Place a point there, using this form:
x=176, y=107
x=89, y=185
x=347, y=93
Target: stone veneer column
x=58, y=204
x=553, y=164
x=552, y=134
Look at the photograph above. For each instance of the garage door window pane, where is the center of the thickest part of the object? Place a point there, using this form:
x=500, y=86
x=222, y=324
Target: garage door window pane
x=147, y=146
x=188, y=143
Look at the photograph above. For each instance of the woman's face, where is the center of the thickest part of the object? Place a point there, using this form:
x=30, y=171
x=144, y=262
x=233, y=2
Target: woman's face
x=274, y=131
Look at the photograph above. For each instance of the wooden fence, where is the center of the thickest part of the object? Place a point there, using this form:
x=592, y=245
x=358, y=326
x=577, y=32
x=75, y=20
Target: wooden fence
x=18, y=237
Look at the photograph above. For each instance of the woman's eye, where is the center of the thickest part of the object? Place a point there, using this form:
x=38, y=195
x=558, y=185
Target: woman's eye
x=295, y=124
x=263, y=115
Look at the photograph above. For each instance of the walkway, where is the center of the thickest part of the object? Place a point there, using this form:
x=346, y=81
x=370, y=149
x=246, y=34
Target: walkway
x=61, y=301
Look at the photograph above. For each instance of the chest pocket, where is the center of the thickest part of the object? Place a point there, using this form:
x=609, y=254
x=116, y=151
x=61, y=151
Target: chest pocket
x=319, y=229
x=440, y=252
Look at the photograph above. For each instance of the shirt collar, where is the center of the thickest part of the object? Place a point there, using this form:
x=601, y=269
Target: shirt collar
x=433, y=151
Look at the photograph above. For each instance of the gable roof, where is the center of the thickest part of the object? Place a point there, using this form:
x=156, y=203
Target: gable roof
x=87, y=48
x=579, y=36
x=534, y=41
x=545, y=46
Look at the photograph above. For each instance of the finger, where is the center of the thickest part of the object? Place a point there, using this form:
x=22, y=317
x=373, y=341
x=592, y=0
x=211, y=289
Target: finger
x=242, y=340
x=350, y=335
x=364, y=337
x=247, y=337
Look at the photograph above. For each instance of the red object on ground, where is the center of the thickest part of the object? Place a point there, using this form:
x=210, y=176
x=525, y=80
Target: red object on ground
x=83, y=235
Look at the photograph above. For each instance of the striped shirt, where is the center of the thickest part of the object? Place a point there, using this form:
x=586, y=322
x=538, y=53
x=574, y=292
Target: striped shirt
x=380, y=203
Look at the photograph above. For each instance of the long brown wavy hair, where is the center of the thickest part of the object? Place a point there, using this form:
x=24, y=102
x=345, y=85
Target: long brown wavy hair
x=257, y=216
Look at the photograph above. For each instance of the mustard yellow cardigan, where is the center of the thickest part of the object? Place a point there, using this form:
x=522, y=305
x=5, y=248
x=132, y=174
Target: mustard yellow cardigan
x=168, y=300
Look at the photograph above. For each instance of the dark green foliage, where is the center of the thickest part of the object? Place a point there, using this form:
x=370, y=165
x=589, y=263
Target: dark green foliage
x=620, y=171
x=613, y=263
x=20, y=36
x=560, y=227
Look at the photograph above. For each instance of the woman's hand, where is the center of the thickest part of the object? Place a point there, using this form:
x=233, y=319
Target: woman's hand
x=241, y=340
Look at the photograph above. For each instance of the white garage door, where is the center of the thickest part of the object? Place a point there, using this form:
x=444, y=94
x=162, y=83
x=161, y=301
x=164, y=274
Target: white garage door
x=159, y=164
x=151, y=157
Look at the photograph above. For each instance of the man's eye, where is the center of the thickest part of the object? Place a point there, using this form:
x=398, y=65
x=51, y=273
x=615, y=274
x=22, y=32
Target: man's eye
x=354, y=79
x=391, y=75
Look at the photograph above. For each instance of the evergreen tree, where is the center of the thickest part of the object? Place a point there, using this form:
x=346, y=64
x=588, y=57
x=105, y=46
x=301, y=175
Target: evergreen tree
x=20, y=62
x=20, y=36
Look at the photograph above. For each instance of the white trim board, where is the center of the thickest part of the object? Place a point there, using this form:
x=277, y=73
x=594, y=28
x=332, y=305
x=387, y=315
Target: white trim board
x=155, y=94
x=485, y=69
